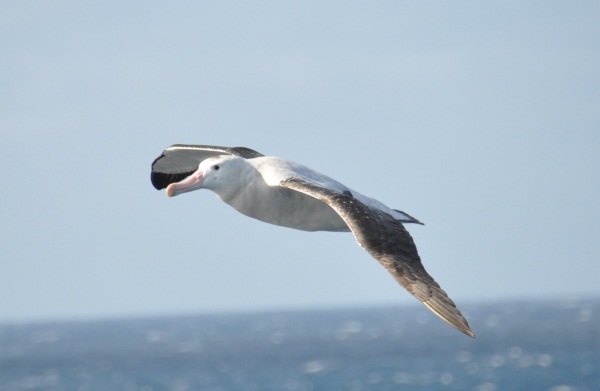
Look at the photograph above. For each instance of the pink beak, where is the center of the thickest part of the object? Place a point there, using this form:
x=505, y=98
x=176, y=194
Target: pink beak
x=191, y=183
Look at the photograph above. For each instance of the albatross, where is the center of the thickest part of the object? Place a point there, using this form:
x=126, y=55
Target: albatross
x=288, y=194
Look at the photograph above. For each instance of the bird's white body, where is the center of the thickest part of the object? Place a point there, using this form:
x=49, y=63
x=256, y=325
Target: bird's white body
x=262, y=198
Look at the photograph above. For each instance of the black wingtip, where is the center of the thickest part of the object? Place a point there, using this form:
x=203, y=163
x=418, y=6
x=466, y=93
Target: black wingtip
x=161, y=180
x=410, y=218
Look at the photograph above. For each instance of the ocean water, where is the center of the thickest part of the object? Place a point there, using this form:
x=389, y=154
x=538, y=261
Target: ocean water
x=548, y=346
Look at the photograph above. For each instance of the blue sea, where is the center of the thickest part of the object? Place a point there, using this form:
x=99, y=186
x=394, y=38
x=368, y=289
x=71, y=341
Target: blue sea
x=538, y=345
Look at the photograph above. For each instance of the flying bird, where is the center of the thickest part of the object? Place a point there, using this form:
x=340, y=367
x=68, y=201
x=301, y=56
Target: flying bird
x=285, y=193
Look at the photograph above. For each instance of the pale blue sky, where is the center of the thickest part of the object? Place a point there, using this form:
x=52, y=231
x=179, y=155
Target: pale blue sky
x=480, y=119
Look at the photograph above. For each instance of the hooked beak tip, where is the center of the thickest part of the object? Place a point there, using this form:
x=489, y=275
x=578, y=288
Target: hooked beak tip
x=170, y=191
x=191, y=183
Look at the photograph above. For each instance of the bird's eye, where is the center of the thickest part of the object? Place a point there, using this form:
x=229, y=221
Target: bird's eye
x=216, y=167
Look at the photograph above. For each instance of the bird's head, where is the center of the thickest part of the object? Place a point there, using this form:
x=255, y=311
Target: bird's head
x=214, y=173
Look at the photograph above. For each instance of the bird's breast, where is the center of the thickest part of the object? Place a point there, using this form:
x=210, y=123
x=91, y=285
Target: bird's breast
x=287, y=208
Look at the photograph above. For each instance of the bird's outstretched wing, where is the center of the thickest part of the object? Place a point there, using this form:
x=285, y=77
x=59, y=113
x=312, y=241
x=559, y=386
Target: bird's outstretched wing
x=180, y=160
x=386, y=239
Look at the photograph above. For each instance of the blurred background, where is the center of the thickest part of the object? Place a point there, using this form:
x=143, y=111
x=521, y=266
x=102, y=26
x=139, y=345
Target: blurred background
x=482, y=120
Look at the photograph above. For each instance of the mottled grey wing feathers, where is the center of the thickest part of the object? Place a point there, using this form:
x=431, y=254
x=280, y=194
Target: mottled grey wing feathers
x=386, y=239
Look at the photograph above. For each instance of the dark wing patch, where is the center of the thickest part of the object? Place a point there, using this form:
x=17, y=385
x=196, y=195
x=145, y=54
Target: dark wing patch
x=180, y=160
x=161, y=180
x=388, y=242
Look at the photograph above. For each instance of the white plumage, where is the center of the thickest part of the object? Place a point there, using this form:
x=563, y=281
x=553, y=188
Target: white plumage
x=285, y=193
